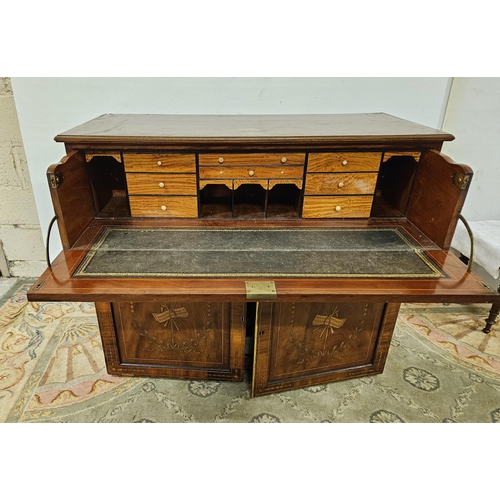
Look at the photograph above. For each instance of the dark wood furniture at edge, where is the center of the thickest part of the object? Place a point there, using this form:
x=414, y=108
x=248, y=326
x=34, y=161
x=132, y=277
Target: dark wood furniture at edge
x=354, y=173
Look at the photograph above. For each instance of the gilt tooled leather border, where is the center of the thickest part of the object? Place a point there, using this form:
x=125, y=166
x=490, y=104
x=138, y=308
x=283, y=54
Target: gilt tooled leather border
x=412, y=251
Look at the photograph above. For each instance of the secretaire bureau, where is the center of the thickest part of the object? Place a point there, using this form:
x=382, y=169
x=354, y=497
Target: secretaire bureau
x=282, y=244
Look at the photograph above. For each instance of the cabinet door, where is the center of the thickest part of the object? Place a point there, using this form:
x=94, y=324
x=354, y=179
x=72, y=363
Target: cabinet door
x=306, y=344
x=189, y=340
x=437, y=196
x=71, y=197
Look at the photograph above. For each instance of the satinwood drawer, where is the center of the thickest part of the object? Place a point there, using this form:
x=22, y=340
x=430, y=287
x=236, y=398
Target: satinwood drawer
x=341, y=184
x=164, y=206
x=252, y=159
x=337, y=207
x=228, y=172
x=344, y=162
x=161, y=183
x=152, y=162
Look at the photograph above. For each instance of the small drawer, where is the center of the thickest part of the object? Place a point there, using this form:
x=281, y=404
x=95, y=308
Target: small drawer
x=147, y=162
x=336, y=207
x=344, y=183
x=164, y=206
x=161, y=183
x=253, y=159
x=344, y=162
x=257, y=172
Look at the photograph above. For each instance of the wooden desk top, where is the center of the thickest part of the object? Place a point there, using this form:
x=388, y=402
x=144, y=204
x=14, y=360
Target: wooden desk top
x=197, y=130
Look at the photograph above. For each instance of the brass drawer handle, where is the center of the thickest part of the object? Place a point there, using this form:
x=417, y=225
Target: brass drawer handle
x=221, y=160
x=161, y=184
x=163, y=207
x=251, y=173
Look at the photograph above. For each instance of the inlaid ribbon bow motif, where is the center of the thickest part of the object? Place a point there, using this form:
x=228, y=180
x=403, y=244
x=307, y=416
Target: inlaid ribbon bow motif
x=328, y=324
x=170, y=314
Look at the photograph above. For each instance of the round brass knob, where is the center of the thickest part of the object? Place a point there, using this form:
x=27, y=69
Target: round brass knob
x=221, y=160
x=341, y=184
x=161, y=184
x=159, y=162
x=163, y=207
x=338, y=208
x=251, y=173
x=283, y=160
x=344, y=162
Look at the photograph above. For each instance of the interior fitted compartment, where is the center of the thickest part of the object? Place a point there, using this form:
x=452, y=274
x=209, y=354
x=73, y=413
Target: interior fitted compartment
x=394, y=185
x=109, y=187
x=248, y=201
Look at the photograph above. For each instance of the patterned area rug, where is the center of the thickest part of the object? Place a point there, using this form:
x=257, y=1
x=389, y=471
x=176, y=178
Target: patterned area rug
x=441, y=368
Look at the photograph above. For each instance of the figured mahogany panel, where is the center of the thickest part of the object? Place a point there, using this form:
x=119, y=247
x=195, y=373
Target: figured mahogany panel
x=197, y=340
x=252, y=159
x=161, y=162
x=228, y=172
x=435, y=200
x=164, y=206
x=305, y=344
x=71, y=196
x=343, y=162
x=161, y=183
x=336, y=206
x=343, y=183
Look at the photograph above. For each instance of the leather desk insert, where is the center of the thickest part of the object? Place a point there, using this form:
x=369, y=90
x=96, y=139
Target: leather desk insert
x=301, y=252
x=280, y=245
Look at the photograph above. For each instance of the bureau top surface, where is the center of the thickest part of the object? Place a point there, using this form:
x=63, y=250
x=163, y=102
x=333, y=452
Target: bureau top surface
x=373, y=128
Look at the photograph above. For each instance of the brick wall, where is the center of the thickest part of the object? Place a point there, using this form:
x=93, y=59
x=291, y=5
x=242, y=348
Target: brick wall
x=20, y=233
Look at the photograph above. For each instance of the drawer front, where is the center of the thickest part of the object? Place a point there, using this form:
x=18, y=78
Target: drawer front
x=336, y=207
x=147, y=162
x=161, y=183
x=338, y=184
x=253, y=159
x=227, y=172
x=164, y=206
x=344, y=162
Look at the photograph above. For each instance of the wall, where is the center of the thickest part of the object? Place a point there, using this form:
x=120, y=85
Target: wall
x=48, y=106
x=19, y=225
x=473, y=116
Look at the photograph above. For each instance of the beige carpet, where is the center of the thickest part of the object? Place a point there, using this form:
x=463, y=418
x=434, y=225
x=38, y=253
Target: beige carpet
x=441, y=368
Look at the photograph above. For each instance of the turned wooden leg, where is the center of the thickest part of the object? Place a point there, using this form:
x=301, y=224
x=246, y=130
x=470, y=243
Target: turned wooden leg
x=495, y=309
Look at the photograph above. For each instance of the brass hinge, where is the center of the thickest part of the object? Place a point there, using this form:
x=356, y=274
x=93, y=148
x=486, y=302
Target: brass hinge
x=261, y=290
x=460, y=180
x=56, y=180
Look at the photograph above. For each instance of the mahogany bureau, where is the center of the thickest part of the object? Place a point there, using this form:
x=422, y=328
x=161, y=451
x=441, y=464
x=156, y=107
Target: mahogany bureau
x=282, y=244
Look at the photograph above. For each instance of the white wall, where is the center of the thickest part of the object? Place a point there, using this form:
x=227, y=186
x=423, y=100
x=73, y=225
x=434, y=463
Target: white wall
x=48, y=106
x=20, y=234
x=473, y=116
